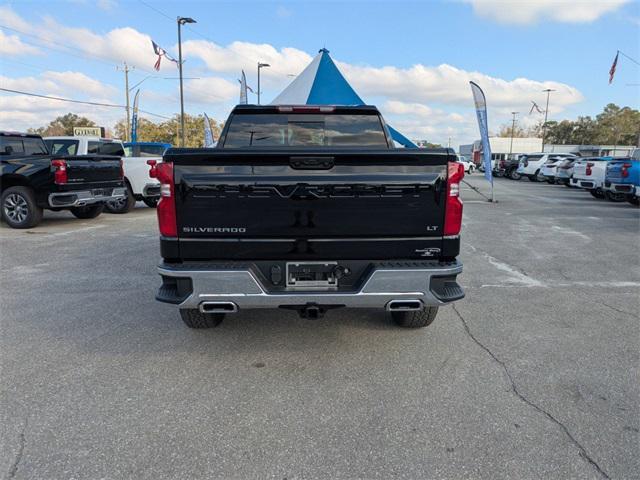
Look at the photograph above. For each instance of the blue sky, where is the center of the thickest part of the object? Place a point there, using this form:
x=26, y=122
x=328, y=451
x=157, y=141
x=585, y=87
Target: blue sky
x=412, y=59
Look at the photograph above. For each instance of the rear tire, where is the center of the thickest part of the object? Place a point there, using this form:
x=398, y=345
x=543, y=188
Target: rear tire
x=151, y=202
x=193, y=318
x=19, y=208
x=91, y=211
x=122, y=205
x=597, y=193
x=633, y=200
x=514, y=175
x=533, y=178
x=615, y=197
x=415, y=319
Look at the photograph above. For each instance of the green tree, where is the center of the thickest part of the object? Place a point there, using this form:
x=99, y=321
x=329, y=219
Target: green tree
x=618, y=126
x=505, y=131
x=63, y=125
x=168, y=131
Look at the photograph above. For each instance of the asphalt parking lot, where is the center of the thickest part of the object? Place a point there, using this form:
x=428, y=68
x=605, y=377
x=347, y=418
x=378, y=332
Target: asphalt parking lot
x=533, y=375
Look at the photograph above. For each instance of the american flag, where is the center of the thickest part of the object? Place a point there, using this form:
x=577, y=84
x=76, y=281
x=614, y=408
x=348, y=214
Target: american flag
x=612, y=70
x=161, y=52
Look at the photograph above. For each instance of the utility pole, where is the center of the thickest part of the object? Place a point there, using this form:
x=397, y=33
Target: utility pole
x=260, y=65
x=181, y=21
x=126, y=69
x=513, y=127
x=546, y=112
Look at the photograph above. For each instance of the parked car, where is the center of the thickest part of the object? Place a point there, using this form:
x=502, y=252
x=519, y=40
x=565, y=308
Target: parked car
x=549, y=170
x=531, y=164
x=278, y=215
x=622, y=180
x=589, y=173
x=32, y=179
x=510, y=167
x=136, y=172
x=564, y=170
x=469, y=166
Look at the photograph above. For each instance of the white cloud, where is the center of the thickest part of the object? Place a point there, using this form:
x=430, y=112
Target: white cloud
x=107, y=5
x=211, y=90
x=20, y=112
x=531, y=11
x=12, y=45
x=449, y=85
x=60, y=83
x=118, y=45
x=239, y=56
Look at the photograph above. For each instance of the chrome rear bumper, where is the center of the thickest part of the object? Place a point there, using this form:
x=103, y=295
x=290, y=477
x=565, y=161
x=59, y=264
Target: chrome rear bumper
x=242, y=289
x=85, y=197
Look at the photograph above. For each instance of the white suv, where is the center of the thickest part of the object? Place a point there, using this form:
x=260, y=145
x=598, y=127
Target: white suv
x=531, y=163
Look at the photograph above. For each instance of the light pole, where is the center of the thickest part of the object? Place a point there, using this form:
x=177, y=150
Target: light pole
x=260, y=65
x=513, y=127
x=181, y=21
x=126, y=69
x=546, y=112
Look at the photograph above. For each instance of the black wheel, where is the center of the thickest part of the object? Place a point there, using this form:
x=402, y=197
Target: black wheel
x=514, y=175
x=195, y=319
x=633, y=200
x=615, y=197
x=551, y=180
x=19, y=208
x=90, y=211
x=416, y=318
x=151, y=202
x=533, y=178
x=597, y=193
x=122, y=205
x=567, y=184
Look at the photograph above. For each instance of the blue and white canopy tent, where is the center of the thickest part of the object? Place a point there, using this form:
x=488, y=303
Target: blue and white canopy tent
x=321, y=83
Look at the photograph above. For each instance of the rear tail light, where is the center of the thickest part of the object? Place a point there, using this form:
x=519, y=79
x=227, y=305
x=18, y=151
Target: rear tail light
x=153, y=173
x=624, y=171
x=502, y=163
x=59, y=171
x=589, y=166
x=453, y=212
x=167, y=205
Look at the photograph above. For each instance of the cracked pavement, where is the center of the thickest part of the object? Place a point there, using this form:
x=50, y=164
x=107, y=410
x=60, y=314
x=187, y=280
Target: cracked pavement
x=533, y=375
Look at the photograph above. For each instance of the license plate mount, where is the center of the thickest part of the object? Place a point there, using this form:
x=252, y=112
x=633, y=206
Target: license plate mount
x=312, y=275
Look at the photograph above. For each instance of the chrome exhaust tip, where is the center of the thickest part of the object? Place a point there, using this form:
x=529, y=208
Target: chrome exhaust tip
x=404, y=305
x=218, y=307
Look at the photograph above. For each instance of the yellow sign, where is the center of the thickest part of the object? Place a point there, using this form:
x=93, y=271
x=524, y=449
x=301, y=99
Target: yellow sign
x=87, y=131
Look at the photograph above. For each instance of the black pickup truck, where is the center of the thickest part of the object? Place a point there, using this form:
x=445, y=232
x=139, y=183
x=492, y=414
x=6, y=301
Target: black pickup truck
x=309, y=209
x=32, y=180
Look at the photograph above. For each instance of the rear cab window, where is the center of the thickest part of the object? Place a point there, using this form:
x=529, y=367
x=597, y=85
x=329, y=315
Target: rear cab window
x=19, y=145
x=62, y=147
x=305, y=130
x=150, y=151
x=110, y=148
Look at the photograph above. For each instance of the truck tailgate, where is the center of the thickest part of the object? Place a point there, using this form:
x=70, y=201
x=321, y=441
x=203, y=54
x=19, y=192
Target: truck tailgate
x=365, y=204
x=92, y=169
